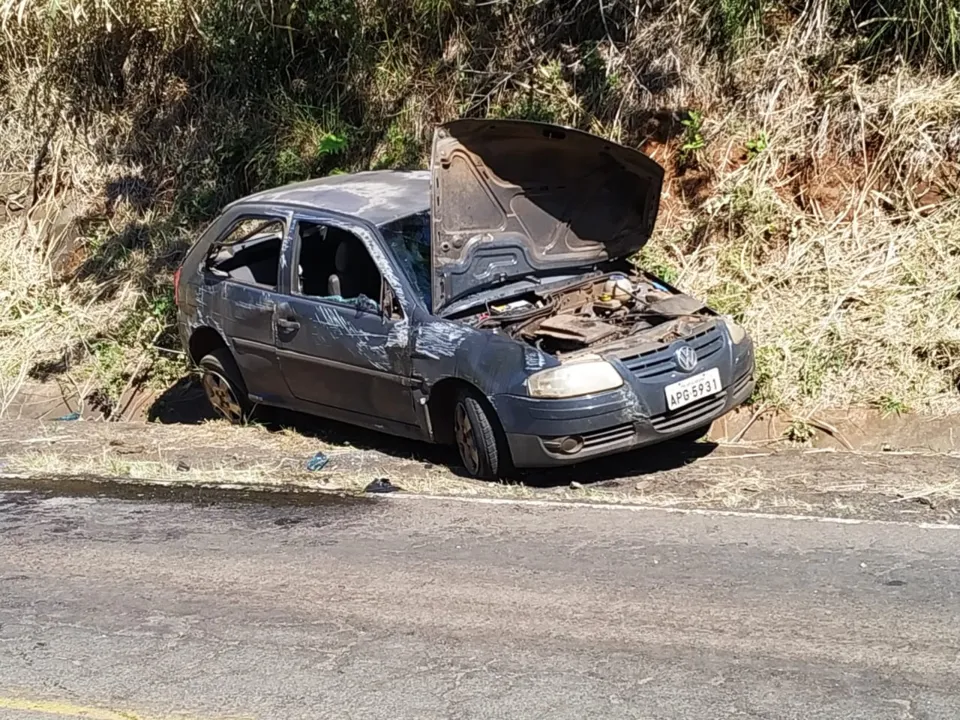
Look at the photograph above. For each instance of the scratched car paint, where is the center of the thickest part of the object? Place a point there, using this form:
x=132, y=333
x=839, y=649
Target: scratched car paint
x=489, y=302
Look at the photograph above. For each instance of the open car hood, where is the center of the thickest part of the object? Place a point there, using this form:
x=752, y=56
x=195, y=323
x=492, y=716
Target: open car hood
x=512, y=198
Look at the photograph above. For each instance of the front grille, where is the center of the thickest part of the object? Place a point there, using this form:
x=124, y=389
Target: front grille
x=607, y=436
x=654, y=363
x=690, y=415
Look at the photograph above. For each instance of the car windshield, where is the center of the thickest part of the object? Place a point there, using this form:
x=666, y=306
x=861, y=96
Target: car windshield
x=409, y=239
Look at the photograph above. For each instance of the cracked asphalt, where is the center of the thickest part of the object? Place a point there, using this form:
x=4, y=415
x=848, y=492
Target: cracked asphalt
x=157, y=603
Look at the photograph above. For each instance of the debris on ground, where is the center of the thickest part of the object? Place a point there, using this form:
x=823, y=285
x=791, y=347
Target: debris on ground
x=183, y=467
x=69, y=417
x=317, y=462
x=381, y=485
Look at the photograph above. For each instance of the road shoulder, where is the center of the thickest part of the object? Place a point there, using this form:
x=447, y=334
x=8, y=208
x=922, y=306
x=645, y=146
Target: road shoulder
x=755, y=477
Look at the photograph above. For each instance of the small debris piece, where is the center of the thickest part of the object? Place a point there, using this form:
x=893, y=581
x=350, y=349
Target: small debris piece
x=576, y=486
x=69, y=418
x=381, y=485
x=611, y=484
x=182, y=466
x=317, y=462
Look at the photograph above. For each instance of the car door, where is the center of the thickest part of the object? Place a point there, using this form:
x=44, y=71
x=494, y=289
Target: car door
x=347, y=352
x=243, y=270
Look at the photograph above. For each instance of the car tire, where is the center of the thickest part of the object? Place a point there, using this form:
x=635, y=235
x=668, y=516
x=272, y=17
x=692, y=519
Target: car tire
x=224, y=387
x=478, y=438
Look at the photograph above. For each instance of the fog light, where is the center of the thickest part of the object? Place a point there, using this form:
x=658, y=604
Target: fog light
x=570, y=445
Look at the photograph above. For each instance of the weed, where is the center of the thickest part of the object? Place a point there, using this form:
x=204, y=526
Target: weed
x=769, y=366
x=927, y=31
x=736, y=21
x=400, y=149
x=799, y=431
x=889, y=405
x=729, y=298
x=656, y=262
x=757, y=145
x=693, y=140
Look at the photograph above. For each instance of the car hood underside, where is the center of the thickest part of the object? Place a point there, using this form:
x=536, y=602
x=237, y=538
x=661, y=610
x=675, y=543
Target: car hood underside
x=514, y=198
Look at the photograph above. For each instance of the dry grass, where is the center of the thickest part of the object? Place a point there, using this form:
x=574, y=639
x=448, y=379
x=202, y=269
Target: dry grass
x=279, y=472
x=811, y=195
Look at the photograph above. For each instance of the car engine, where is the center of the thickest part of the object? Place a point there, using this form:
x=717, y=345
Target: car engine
x=607, y=310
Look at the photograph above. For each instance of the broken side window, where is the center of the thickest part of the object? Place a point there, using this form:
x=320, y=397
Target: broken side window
x=249, y=252
x=335, y=265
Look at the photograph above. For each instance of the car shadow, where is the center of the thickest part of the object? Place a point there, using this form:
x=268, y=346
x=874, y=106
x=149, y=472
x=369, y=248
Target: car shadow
x=615, y=469
x=185, y=404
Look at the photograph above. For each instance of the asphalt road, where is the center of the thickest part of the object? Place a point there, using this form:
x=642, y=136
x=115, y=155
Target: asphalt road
x=160, y=607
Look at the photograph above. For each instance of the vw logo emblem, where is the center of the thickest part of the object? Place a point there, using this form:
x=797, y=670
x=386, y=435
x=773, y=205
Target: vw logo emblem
x=686, y=358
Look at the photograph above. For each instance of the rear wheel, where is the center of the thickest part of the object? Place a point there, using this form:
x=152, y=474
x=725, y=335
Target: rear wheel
x=476, y=433
x=224, y=387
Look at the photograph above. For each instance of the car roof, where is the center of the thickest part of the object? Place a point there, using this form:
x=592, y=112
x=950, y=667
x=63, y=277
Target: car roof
x=377, y=196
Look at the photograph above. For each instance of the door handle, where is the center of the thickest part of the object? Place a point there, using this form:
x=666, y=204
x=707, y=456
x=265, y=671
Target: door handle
x=288, y=325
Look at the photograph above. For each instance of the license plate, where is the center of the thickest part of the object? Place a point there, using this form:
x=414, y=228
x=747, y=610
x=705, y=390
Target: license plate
x=693, y=389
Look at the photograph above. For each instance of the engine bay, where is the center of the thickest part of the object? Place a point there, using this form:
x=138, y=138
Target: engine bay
x=604, y=310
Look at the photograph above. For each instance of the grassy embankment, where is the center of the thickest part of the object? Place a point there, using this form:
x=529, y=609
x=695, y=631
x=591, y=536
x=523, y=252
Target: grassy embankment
x=811, y=150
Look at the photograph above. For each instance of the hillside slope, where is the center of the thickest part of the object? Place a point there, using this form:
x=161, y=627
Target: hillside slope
x=811, y=148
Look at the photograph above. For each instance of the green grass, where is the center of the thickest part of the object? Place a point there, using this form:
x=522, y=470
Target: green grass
x=926, y=31
x=889, y=405
x=693, y=140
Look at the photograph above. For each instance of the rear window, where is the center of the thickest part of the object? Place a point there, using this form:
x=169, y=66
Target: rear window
x=250, y=252
x=252, y=229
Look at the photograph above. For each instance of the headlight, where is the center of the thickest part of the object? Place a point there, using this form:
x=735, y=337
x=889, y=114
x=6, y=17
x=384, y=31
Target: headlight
x=737, y=333
x=583, y=376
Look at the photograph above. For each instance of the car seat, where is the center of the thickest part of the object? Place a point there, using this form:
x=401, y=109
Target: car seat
x=356, y=273
x=342, y=282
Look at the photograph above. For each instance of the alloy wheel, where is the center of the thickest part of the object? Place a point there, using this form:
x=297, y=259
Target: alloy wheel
x=222, y=397
x=466, y=443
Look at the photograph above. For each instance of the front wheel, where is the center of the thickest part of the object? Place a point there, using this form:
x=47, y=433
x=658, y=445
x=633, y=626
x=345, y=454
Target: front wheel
x=475, y=430
x=224, y=387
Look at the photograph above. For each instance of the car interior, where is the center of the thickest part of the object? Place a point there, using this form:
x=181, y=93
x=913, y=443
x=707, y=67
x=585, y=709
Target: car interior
x=334, y=263
x=250, y=253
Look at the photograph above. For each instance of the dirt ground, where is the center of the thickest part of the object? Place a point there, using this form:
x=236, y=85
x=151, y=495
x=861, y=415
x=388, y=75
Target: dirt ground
x=757, y=476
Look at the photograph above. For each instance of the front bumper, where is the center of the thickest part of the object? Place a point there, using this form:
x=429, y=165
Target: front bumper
x=544, y=433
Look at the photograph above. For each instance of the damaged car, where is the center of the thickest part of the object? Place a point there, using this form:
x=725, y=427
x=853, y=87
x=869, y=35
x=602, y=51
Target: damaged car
x=489, y=303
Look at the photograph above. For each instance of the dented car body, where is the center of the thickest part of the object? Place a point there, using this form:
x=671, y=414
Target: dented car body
x=488, y=302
